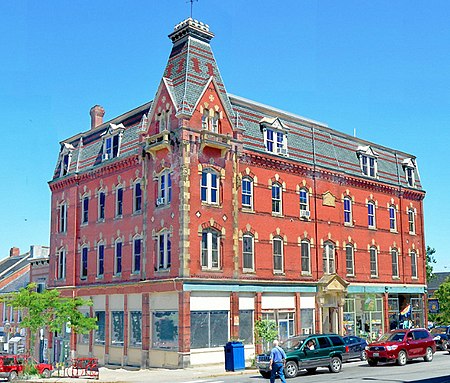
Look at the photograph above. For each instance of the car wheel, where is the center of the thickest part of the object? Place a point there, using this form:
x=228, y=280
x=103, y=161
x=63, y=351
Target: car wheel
x=291, y=369
x=335, y=364
x=372, y=362
x=12, y=376
x=363, y=356
x=401, y=359
x=265, y=374
x=429, y=355
x=311, y=370
x=46, y=373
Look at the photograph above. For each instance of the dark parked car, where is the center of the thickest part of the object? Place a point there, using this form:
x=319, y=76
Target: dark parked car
x=328, y=350
x=441, y=336
x=400, y=346
x=356, y=347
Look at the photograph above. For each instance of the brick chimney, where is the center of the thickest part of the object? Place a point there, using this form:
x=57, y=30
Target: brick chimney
x=97, y=112
x=14, y=251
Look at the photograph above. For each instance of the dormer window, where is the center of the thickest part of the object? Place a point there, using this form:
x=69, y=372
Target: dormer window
x=275, y=136
x=368, y=161
x=111, y=141
x=409, y=167
x=66, y=157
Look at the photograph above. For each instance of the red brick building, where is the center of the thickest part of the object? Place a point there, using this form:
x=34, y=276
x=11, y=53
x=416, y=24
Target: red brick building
x=189, y=217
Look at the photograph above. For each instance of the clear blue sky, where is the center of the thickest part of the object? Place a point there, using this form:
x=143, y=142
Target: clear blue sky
x=380, y=67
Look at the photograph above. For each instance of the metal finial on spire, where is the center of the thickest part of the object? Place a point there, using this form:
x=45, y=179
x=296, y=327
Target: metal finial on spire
x=192, y=4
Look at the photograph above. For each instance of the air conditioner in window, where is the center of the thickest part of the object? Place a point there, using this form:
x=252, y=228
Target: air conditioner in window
x=105, y=156
x=160, y=201
x=282, y=151
x=305, y=213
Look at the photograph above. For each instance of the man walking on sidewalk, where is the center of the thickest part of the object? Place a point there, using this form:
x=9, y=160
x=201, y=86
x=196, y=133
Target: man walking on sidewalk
x=277, y=359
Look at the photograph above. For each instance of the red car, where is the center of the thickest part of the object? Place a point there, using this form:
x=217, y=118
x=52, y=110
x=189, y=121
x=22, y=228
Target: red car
x=11, y=366
x=400, y=346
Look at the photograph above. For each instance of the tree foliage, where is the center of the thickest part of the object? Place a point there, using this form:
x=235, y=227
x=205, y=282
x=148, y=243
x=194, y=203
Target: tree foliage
x=265, y=332
x=50, y=310
x=430, y=260
x=443, y=295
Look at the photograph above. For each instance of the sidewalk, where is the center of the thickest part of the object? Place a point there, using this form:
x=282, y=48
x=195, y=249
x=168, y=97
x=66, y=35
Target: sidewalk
x=160, y=375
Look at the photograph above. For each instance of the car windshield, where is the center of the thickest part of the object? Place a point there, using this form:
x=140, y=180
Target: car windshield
x=292, y=343
x=438, y=330
x=392, y=336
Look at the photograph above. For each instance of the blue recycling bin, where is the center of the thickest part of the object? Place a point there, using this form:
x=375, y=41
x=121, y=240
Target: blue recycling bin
x=234, y=356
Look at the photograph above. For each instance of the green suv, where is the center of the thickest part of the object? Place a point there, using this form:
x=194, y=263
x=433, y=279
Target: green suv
x=308, y=352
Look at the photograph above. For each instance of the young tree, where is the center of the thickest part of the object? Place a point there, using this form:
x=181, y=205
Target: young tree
x=265, y=332
x=49, y=310
x=443, y=295
x=430, y=260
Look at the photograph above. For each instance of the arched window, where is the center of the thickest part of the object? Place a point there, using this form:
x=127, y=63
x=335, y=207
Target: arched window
x=100, y=259
x=164, y=188
x=119, y=201
x=348, y=220
x=248, y=252
x=164, y=246
x=413, y=264
x=328, y=258
x=411, y=221
x=137, y=194
x=62, y=217
x=305, y=250
x=61, y=264
x=349, y=259
x=371, y=214
x=278, y=262
x=84, y=262
x=137, y=254
x=205, y=116
x=101, y=205
x=118, y=247
x=247, y=193
x=276, y=199
x=373, y=261
x=394, y=258
x=210, y=258
x=304, y=203
x=210, y=187
x=85, y=210
x=392, y=218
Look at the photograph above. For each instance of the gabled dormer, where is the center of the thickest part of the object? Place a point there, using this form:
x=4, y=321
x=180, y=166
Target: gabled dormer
x=65, y=158
x=409, y=167
x=274, y=135
x=112, y=138
x=368, y=161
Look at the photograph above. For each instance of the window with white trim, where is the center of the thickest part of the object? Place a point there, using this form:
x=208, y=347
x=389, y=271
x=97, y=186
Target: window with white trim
x=210, y=120
x=373, y=262
x=348, y=220
x=277, y=249
x=392, y=218
x=305, y=254
x=164, y=188
x=84, y=262
x=371, y=214
x=112, y=139
x=137, y=195
x=411, y=221
x=409, y=173
x=328, y=258
x=350, y=259
x=275, y=141
x=368, y=165
x=248, y=252
x=61, y=264
x=62, y=218
x=209, y=187
x=117, y=326
x=65, y=159
x=247, y=193
x=164, y=250
x=100, y=259
x=304, y=203
x=137, y=253
x=210, y=249
x=85, y=210
x=276, y=198
x=119, y=201
x=394, y=258
x=101, y=205
x=118, y=247
x=413, y=264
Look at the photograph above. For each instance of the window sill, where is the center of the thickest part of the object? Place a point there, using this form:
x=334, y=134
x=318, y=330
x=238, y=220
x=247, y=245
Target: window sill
x=135, y=274
x=249, y=271
x=415, y=278
x=83, y=278
x=248, y=210
x=278, y=215
x=117, y=276
x=394, y=231
x=210, y=204
x=306, y=274
x=412, y=233
x=99, y=343
x=396, y=277
x=116, y=344
x=135, y=346
x=101, y=220
x=374, y=276
x=137, y=212
x=348, y=224
x=372, y=228
x=162, y=207
x=84, y=224
x=118, y=216
x=350, y=275
x=162, y=271
x=281, y=273
x=99, y=277
x=211, y=270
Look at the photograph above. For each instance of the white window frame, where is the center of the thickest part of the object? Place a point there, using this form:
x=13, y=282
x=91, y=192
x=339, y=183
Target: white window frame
x=101, y=208
x=248, y=255
x=137, y=210
x=164, y=250
x=411, y=221
x=61, y=264
x=62, y=217
x=392, y=219
x=348, y=211
x=247, y=193
x=118, y=272
x=413, y=255
x=280, y=255
x=84, y=251
x=373, y=258
x=329, y=258
x=305, y=257
x=207, y=252
x=206, y=185
x=66, y=152
x=165, y=187
x=277, y=201
x=119, y=214
x=394, y=261
x=100, y=245
x=410, y=176
x=109, y=136
x=350, y=271
x=85, y=210
x=304, y=202
x=371, y=215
